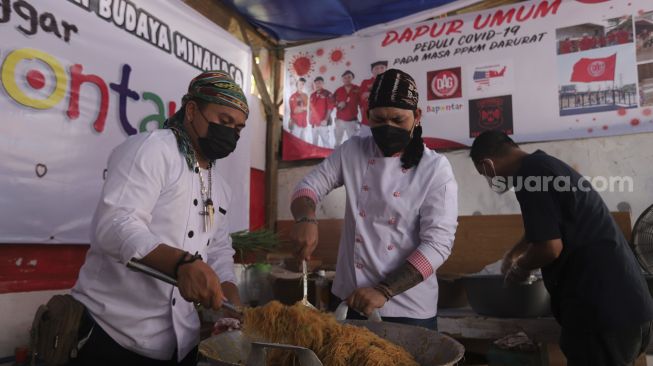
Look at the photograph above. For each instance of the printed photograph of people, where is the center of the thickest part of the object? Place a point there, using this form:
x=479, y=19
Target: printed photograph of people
x=594, y=77
x=588, y=36
x=377, y=68
x=347, y=99
x=644, y=36
x=298, y=104
x=321, y=106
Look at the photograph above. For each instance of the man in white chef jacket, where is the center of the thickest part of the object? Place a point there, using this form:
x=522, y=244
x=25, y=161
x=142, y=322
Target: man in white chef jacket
x=165, y=204
x=401, y=211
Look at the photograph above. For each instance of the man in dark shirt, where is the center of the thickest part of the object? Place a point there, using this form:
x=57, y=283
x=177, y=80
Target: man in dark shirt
x=598, y=293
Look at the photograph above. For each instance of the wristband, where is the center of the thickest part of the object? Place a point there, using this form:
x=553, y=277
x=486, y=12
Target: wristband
x=185, y=260
x=311, y=220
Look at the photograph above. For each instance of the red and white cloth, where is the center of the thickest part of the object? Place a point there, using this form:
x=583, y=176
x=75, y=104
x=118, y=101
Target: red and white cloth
x=392, y=215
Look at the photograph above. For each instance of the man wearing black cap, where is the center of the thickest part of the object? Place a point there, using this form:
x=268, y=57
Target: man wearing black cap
x=347, y=99
x=401, y=212
x=377, y=67
x=598, y=294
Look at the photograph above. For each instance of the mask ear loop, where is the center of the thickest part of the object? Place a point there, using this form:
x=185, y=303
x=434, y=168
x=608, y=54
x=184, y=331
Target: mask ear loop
x=484, y=170
x=413, y=129
x=493, y=168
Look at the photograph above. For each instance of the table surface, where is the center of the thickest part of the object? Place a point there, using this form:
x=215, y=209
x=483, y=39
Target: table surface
x=465, y=323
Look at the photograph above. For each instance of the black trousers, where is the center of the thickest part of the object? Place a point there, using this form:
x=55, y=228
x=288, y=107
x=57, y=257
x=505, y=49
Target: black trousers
x=606, y=348
x=102, y=350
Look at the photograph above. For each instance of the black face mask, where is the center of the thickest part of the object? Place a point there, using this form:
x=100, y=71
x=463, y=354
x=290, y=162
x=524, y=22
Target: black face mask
x=390, y=139
x=220, y=140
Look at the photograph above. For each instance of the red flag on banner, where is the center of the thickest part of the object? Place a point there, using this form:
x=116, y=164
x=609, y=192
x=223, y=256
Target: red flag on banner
x=587, y=70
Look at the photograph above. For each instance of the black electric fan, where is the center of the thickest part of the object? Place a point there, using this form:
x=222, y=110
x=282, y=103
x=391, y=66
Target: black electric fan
x=642, y=240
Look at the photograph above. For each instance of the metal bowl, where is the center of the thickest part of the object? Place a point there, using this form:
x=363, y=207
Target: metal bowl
x=429, y=347
x=489, y=295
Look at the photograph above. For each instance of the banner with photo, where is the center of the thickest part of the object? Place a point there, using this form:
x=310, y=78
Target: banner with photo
x=539, y=70
x=77, y=78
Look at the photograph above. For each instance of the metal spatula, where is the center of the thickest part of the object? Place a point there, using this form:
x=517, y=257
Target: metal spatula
x=305, y=301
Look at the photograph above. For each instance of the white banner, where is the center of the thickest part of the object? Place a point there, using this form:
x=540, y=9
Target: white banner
x=538, y=70
x=78, y=77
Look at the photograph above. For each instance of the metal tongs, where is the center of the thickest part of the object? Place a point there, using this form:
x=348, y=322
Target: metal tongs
x=140, y=267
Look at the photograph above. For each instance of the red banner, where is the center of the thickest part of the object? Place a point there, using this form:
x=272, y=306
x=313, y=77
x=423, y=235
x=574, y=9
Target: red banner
x=587, y=70
x=294, y=148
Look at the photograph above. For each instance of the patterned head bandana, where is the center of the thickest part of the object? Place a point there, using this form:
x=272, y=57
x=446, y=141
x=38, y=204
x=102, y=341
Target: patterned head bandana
x=215, y=87
x=394, y=88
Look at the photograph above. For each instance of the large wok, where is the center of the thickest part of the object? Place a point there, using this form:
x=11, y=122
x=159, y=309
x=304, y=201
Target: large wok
x=429, y=348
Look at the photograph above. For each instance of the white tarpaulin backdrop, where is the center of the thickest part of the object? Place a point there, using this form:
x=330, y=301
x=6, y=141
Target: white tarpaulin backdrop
x=127, y=65
x=539, y=70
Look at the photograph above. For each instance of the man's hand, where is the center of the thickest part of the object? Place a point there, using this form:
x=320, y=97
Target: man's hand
x=230, y=291
x=517, y=274
x=365, y=300
x=509, y=258
x=341, y=105
x=304, y=237
x=198, y=283
x=506, y=262
x=304, y=233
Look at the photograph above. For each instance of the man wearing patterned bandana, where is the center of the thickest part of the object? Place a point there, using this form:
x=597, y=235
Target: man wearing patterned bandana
x=163, y=204
x=401, y=212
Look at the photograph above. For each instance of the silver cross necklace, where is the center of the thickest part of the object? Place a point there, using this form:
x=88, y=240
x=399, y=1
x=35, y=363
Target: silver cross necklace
x=208, y=211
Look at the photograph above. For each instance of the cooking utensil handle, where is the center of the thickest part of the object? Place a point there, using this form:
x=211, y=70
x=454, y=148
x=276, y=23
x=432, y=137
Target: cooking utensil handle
x=341, y=313
x=140, y=267
x=257, y=354
x=304, y=278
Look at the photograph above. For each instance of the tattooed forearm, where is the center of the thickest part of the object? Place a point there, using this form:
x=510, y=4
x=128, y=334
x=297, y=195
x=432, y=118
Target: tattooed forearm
x=400, y=280
x=302, y=207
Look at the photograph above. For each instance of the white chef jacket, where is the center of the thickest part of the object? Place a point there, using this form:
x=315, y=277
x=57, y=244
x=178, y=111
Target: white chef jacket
x=392, y=215
x=150, y=196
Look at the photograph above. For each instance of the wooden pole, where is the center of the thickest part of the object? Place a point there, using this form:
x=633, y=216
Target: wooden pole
x=271, y=106
x=272, y=146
